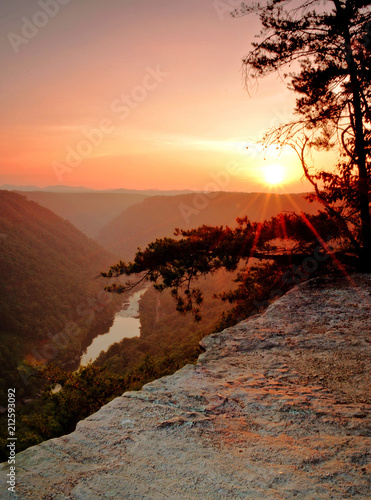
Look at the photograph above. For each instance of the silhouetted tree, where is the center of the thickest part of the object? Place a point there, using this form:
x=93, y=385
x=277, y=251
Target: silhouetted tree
x=327, y=46
x=178, y=263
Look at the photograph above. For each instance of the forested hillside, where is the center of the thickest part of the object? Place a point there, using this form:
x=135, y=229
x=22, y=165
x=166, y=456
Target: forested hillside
x=89, y=212
x=51, y=298
x=158, y=216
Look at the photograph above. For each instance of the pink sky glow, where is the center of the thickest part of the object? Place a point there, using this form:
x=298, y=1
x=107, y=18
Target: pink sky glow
x=135, y=94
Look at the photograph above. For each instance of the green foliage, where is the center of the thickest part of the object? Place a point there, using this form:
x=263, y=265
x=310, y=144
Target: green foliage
x=167, y=343
x=258, y=285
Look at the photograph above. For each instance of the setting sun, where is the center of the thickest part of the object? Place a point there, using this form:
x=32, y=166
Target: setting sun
x=274, y=174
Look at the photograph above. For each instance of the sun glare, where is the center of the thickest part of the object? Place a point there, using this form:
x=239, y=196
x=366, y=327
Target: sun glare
x=273, y=174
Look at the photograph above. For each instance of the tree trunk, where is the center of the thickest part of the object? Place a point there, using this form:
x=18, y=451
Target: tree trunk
x=360, y=146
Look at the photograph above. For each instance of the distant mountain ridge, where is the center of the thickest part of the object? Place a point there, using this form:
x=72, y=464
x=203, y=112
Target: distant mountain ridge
x=87, y=209
x=82, y=189
x=106, y=215
x=158, y=216
x=56, y=189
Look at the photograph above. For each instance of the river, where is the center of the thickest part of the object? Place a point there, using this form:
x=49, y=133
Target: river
x=126, y=324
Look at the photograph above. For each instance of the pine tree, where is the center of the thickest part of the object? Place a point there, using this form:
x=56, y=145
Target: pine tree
x=325, y=46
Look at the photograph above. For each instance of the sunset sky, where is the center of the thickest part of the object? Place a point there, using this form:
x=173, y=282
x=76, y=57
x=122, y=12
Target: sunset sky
x=135, y=94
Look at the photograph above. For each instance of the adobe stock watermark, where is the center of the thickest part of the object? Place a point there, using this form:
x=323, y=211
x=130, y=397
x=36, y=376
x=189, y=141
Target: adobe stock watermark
x=11, y=440
x=227, y=7
x=219, y=181
x=121, y=108
x=31, y=27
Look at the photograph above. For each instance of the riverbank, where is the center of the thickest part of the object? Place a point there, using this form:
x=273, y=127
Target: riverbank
x=126, y=324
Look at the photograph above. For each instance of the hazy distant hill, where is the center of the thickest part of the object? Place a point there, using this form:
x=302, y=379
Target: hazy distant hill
x=48, y=275
x=158, y=216
x=59, y=188
x=89, y=212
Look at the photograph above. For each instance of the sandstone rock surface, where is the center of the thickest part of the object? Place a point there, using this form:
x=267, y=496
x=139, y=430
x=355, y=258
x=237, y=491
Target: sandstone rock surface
x=278, y=407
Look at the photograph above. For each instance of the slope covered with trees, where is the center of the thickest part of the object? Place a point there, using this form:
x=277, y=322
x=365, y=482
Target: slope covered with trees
x=51, y=299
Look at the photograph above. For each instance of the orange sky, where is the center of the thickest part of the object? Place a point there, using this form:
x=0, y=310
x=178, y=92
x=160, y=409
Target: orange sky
x=135, y=94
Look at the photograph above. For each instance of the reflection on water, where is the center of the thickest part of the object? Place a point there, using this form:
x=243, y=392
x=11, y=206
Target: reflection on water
x=125, y=325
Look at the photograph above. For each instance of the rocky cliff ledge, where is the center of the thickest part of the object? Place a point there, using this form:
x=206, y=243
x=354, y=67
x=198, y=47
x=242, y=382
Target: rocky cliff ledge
x=278, y=407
